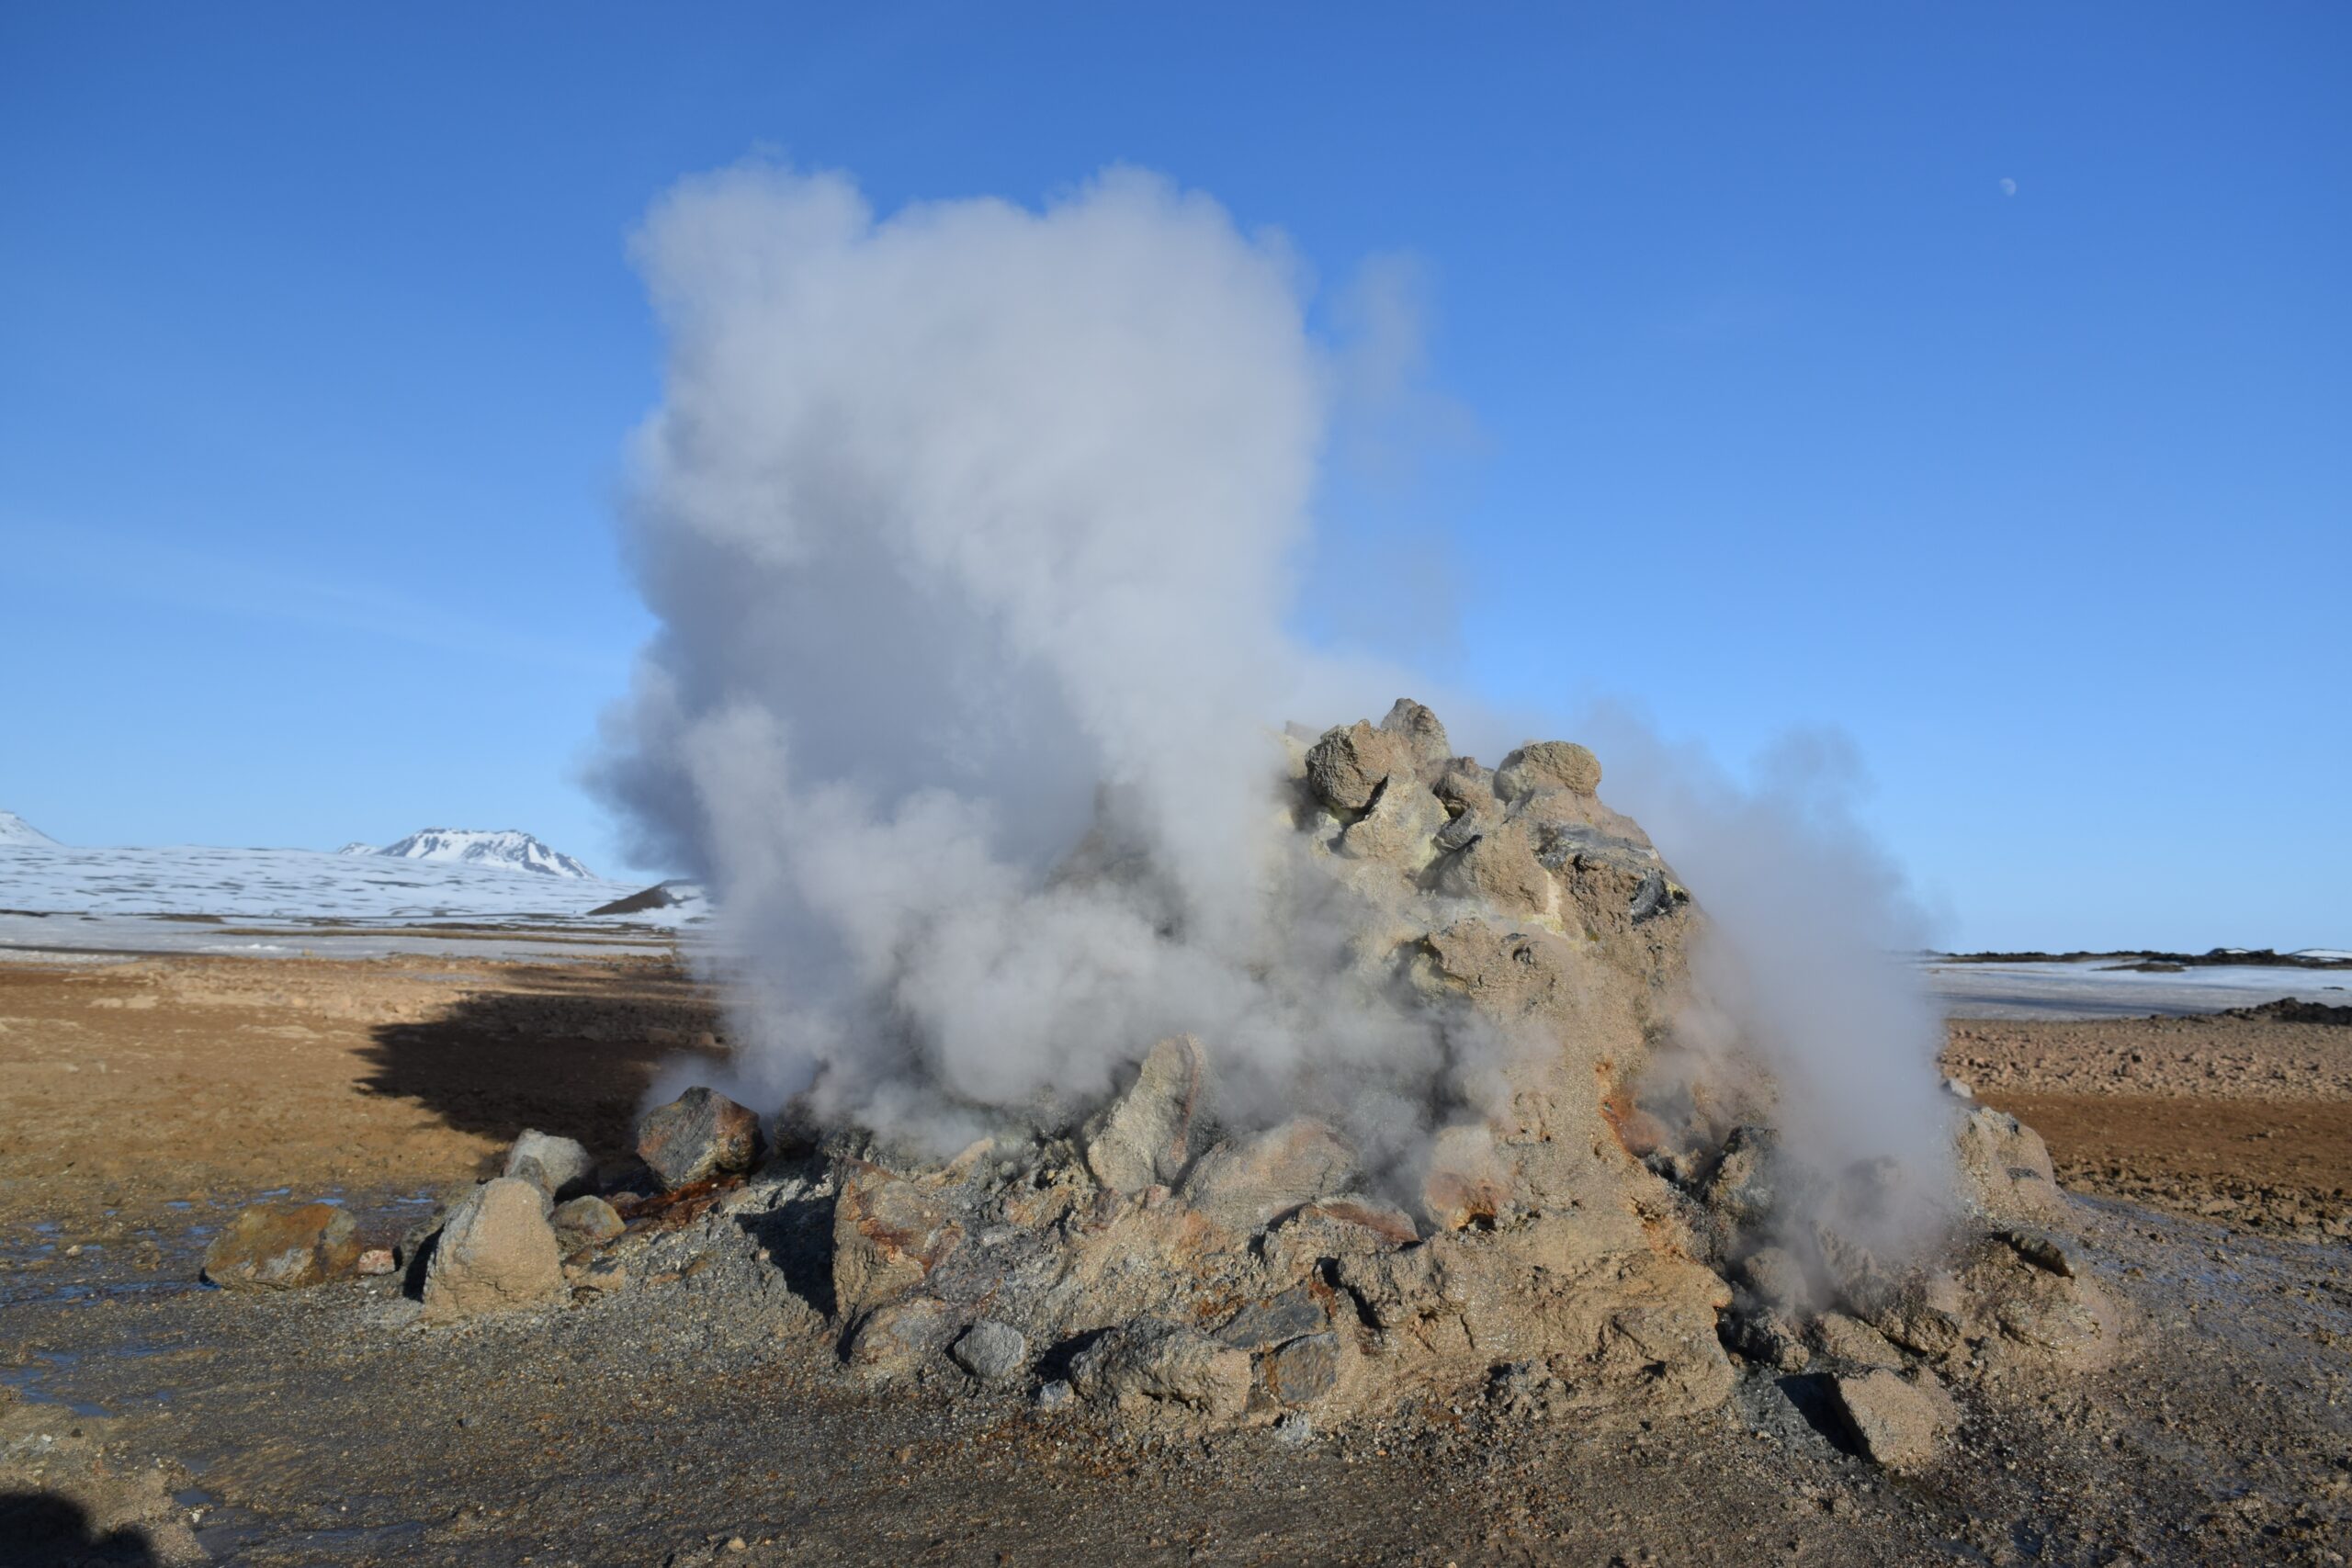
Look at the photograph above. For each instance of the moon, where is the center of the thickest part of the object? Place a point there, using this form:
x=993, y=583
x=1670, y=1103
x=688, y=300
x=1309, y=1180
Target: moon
x=2008, y=188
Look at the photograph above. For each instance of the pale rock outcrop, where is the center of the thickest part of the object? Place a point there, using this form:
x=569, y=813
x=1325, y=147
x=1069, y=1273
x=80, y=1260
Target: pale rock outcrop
x=497, y=1253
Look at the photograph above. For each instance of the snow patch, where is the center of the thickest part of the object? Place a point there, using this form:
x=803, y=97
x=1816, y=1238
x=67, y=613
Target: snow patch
x=15, y=832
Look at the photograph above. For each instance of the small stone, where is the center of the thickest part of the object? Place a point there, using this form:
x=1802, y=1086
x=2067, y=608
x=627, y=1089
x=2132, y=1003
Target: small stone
x=1292, y=1429
x=496, y=1254
x=698, y=1136
x=283, y=1247
x=375, y=1260
x=1055, y=1395
x=1304, y=1369
x=991, y=1351
x=737, y=1543
x=1153, y=1361
x=586, y=1221
x=557, y=1167
x=1899, y=1424
x=1288, y=1317
x=892, y=1341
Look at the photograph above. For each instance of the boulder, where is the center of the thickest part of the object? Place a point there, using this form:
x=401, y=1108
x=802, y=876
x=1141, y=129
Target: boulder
x=888, y=1235
x=1423, y=736
x=1547, y=764
x=283, y=1247
x=497, y=1253
x=1899, y=1424
x=894, y=1340
x=1154, y=1362
x=1144, y=1137
x=586, y=1221
x=1243, y=1185
x=991, y=1351
x=1399, y=828
x=1846, y=1338
x=1347, y=766
x=557, y=1167
x=698, y=1136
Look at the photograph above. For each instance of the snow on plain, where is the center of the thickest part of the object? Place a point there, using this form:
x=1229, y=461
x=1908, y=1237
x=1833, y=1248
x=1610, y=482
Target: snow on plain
x=2095, y=989
x=186, y=898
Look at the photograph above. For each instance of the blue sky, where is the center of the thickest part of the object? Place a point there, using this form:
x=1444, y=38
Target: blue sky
x=1970, y=379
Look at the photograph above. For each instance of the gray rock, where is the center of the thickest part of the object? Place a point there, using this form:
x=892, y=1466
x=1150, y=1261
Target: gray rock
x=497, y=1253
x=1420, y=728
x=283, y=1247
x=1144, y=1137
x=1900, y=1424
x=557, y=1167
x=892, y=1341
x=1153, y=1361
x=2042, y=1250
x=699, y=1137
x=1304, y=1371
x=1243, y=1185
x=1548, y=765
x=1055, y=1395
x=991, y=1351
x=586, y=1221
x=1765, y=1337
x=1290, y=1315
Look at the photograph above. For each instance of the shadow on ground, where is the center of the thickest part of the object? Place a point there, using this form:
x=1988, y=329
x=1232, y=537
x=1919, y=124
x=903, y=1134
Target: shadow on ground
x=44, y=1529
x=566, y=1048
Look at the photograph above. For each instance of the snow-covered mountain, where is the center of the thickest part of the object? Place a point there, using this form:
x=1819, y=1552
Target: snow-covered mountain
x=505, y=850
x=15, y=832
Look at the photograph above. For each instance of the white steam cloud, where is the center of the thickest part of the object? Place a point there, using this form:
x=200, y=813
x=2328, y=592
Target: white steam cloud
x=971, y=530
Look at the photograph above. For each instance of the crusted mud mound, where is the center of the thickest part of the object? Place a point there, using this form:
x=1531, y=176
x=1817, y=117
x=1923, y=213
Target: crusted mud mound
x=1605, y=1233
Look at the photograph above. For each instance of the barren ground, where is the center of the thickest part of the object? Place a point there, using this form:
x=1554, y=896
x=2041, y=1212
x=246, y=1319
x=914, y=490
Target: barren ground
x=151, y=1418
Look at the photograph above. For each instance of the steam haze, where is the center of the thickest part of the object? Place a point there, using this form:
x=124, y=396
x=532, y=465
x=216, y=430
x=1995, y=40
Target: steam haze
x=971, y=532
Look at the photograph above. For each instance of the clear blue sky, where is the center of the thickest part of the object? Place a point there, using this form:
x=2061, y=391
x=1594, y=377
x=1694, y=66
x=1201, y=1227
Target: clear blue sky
x=1970, y=379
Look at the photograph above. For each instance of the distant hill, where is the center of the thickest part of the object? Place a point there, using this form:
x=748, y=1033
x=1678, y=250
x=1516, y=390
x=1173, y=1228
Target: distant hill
x=17, y=833
x=504, y=849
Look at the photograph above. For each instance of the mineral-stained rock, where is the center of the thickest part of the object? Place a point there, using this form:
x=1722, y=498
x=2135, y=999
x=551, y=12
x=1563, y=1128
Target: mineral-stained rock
x=698, y=1136
x=1304, y=1369
x=1900, y=1424
x=888, y=1235
x=375, y=1260
x=991, y=1351
x=1154, y=1362
x=1465, y=1184
x=1347, y=765
x=1745, y=1185
x=1144, y=1138
x=1243, y=1185
x=557, y=1167
x=586, y=1221
x=1547, y=764
x=496, y=1254
x=283, y=1247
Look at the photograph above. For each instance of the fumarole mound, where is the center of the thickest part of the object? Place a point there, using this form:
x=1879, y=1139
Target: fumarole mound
x=1602, y=1228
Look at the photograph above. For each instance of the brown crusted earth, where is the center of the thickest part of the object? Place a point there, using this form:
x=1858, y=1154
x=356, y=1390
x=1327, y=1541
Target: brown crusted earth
x=2245, y=1118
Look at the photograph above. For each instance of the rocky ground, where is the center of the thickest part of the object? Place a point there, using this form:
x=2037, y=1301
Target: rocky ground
x=698, y=1412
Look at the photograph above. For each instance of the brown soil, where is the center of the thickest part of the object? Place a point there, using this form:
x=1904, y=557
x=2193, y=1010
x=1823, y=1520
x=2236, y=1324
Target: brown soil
x=2241, y=1116
x=126, y=1087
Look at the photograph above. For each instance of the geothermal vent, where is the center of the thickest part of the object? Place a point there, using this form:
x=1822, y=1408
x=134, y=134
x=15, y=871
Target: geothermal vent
x=1555, y=1188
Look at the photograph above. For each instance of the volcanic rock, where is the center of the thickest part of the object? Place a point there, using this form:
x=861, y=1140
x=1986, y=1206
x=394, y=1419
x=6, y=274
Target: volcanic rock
x=1347, y=766
x=1899, y=1424
x=888, y=1233
x=1400, y=827
x=586, y=1221
x=1547, y=764
x=1420, y=728
x=1243, y=1185
x=991, y=1351
x=1151, y=1362
x=1263, y=1324
x=1304, y=1369
x=495, y=1254
x=283, y=1247
x=1144, y=1138
x=698, y=1136
x=557, y=1167
x=892, y=1341
x=1845, y=1338
x=1498, y=867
